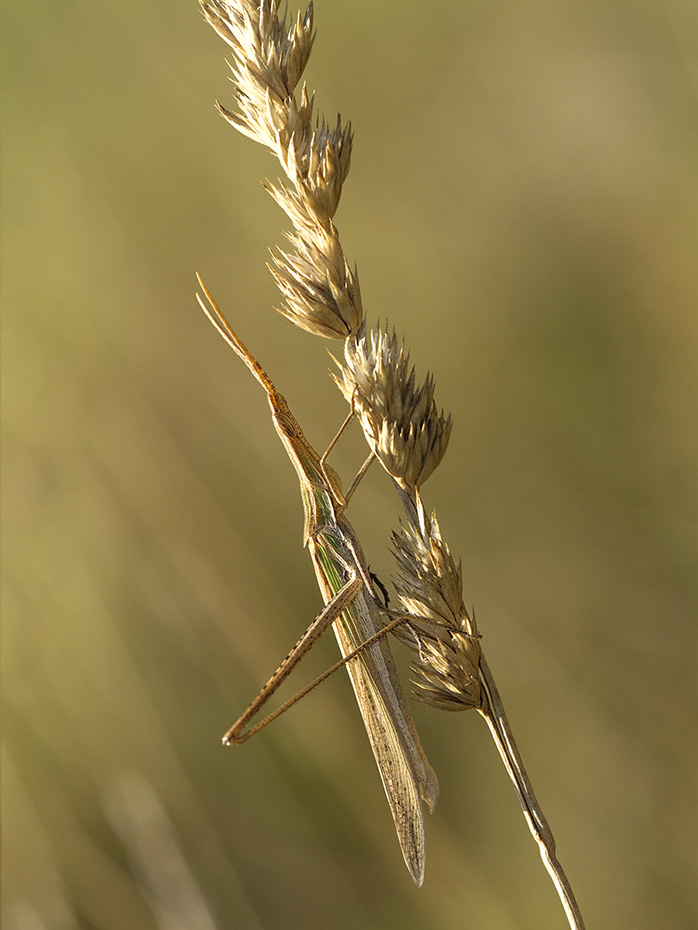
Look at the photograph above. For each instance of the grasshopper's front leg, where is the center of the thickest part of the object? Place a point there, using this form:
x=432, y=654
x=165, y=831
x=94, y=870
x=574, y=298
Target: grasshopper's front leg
x=343, y=499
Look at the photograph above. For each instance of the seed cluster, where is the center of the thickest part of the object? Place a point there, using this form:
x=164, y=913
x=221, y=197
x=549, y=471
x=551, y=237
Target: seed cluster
x=399, y=418
x=321, y=291
x=441, y=634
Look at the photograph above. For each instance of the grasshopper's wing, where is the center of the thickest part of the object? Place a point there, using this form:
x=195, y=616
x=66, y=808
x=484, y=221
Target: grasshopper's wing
x=396, y=771
x=407, y=776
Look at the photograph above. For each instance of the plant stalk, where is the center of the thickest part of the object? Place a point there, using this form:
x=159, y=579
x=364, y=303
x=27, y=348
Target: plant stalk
x=495, y=715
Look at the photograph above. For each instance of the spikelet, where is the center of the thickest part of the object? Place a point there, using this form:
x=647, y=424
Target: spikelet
x=399, y=418
x=270, y=58
x=441, y=634
x=322, y=293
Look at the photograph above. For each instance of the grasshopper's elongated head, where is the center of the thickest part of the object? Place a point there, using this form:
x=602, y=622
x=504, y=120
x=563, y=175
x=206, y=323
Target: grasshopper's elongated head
x=316, y=478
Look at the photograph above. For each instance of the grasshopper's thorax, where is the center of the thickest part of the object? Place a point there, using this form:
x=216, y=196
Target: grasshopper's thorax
x=321, y=488
x=334, y=482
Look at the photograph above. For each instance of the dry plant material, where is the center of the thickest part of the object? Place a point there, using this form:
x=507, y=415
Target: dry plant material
x=403, y=428
x=321, y=292
x=399, y=419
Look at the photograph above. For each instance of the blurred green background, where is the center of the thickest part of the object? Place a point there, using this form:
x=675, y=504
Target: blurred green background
x=523, y=206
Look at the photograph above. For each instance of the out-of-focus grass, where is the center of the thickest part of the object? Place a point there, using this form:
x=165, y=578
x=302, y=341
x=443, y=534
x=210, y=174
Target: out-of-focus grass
x=522, y=205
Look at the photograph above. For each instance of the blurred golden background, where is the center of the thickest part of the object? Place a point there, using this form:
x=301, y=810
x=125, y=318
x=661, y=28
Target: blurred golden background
x=523, y=206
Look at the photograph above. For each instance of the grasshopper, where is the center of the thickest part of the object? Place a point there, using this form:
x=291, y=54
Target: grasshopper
x=351, y=607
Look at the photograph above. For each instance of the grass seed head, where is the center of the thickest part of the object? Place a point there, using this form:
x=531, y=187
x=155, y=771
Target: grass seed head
x=269, y=53
x=322, y=293
x=441, y=635
x=399, y=418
